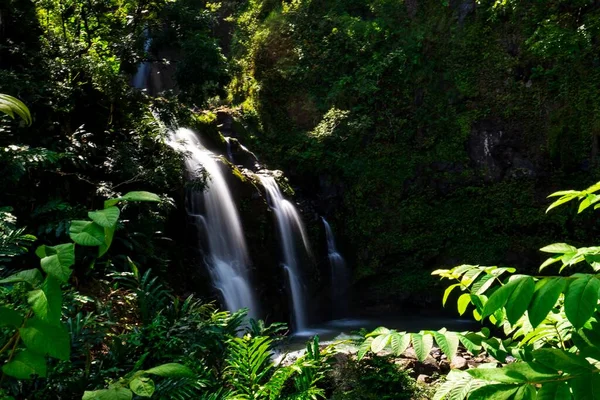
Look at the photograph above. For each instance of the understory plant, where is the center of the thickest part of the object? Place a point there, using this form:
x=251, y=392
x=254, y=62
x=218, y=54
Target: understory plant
x=548, y=345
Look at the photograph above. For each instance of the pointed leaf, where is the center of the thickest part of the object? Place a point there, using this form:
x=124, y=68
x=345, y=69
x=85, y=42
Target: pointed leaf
x=378, y=331
x=46, y=302
x=447, y=342
x=523, y=286
x=558, y=248
x=447, y=292
x=364, y=348
x=115, y=393
x=494, y=392
x=57, y=260
x=550, y=261
x=109, y=234
x=560, y=201
x=586, y=387
x=554, y=391
x=32, y=276
x=561, y=360
x=44, y=338
x=422, y=343
x=519, y=299
x=106, y=218
x=86, y=233
x=545, y=297
x=463, y=302
x=25, y=365
x=133, y=196
x=400, y=342
x=143, y=387
x=10, y=106
x=171, y=370
x=581, y=299
x=380, y=342
x=482, y=284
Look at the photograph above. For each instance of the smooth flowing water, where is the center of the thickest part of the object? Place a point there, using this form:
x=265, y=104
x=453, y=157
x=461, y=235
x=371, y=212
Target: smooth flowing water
x=215, y=213
x=340, y=275
x=140, y=79
x=291, y=231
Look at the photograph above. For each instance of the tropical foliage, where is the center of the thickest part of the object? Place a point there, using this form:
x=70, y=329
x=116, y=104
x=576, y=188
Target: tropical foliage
x=550, y=324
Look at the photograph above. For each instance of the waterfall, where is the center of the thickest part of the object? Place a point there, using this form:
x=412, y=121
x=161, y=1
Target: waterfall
x=227, y=257
x=229, y=152
x=140, y=79
x=289, y=226
x=340, y=276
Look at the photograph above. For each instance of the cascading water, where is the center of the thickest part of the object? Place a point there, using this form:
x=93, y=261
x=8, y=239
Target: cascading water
x=290, y=226
x=227, y=257
x=340, y=275
x=140, y=79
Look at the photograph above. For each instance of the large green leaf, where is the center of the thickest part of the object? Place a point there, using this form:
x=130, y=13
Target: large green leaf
x=519, y=299
x=46, y=302
x=399, y=342
x=115, y=393
x=26, y=364
x=11, y=105
x=379, y=342
x=559, y=248
x=581, y=299
x=105, y=218
x=515, y=295
x=133, y=196
x=554, y=391
x=364, y=348
x=171, y=370
x=10, y=317
x=143, y=387
x=526, y=392
x=86, y=233
x=586, y=387
x=494, y=392
x=545, y=297
x=447, y=342
x=483, y=283
x=447, y=292
x=501, y=375
x=57, y=260
x=109, y=234
x=32, y=276
x=562, y=360
x=463, y=302
x=44, y=338
x=422, y=343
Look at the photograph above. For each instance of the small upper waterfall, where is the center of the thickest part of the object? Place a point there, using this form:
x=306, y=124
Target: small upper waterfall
x=289, y=225
x=140, y=79
x=216, y=214
x=340, y=276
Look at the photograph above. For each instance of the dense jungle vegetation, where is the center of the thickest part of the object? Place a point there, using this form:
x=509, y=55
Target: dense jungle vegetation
x=428, y=132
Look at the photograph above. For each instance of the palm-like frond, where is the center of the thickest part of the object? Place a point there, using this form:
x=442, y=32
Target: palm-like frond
x=13, y=241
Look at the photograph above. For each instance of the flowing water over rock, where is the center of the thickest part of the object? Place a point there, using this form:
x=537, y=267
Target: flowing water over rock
x=291, y=229
x=140, y=79
x=340, y=275
x=215, y=214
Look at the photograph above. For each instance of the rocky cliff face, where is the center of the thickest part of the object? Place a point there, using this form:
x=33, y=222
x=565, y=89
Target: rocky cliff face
x=428, y=133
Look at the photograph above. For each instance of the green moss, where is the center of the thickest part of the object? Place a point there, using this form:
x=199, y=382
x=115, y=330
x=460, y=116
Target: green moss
x=386, y=102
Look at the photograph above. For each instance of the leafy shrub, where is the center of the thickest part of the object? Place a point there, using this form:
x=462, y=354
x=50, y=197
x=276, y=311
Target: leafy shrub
x=551, y=325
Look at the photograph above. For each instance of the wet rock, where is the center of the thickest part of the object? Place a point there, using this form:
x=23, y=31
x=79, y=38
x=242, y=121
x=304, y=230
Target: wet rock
x=459, y=362
x=424, y=379
x=429, y=366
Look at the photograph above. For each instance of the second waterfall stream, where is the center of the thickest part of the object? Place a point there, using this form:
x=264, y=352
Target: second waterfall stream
x=290, y=226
